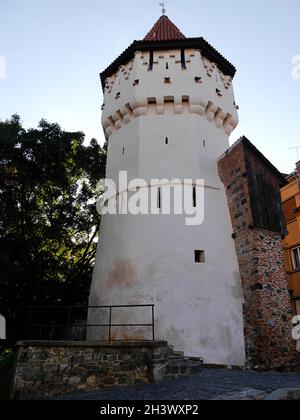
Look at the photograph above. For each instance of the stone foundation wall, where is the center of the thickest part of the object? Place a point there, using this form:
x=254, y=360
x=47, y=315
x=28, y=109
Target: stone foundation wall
x=47, y=369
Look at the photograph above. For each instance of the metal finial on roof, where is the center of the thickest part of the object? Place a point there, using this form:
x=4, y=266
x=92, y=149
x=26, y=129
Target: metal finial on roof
x=163, y=8
x=297, y=148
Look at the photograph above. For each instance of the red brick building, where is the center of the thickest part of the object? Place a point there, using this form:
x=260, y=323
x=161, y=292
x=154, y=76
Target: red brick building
x=253, y=191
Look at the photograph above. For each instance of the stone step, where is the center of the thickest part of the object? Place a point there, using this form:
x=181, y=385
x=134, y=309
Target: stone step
x=178, y=353
x=180, y=366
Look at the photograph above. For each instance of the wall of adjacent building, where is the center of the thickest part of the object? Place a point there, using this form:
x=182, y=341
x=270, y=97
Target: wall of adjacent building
x=291, y=200
x=267, y=310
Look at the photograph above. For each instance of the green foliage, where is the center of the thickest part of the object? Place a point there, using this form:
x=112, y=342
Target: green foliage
x=48, y=217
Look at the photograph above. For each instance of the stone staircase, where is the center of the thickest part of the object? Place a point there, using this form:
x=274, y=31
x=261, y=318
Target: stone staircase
x=179, y=366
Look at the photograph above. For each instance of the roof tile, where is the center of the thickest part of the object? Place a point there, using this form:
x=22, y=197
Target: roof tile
x=164, y=30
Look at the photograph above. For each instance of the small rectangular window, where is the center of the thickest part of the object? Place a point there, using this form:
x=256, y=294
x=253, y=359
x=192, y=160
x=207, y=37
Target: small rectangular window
x=167, y=140
x=296, y=258
x=199, y=257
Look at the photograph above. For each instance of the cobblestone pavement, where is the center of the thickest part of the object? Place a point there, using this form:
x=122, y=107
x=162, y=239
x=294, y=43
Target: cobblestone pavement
x=211, y=383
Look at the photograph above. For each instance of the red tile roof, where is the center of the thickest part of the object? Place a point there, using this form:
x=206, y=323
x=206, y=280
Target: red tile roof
x=164, y=30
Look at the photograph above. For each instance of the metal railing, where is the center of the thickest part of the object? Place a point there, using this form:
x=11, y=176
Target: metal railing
x=69, y=323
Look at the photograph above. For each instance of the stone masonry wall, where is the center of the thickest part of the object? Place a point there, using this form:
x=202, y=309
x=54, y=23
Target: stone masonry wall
x=267, y=309
x=46, y=369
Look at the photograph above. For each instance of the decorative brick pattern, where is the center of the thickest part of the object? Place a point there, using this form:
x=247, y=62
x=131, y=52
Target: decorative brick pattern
x=256, y=230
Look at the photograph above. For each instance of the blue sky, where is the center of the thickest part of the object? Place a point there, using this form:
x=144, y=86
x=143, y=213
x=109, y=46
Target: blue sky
x=55, y=49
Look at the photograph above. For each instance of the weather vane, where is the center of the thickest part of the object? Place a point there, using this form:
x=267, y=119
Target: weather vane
x=297, y=148
x=163, y=8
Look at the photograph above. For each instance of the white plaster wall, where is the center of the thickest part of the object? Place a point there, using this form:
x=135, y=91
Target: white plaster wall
x=2, y=328
x=150, y=259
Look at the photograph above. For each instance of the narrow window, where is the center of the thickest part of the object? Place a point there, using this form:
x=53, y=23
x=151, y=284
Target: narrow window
x=199, y=257
x=167, y=140
x=150, y=68
x=183, y=63
x=123, y=151
x=194, y=197
x=204, y=143
x=296, y=258
x=159, y=197
x=167, y=66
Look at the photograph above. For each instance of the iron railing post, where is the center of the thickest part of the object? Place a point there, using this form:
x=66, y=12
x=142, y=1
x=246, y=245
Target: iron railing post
x=153, y=327
x=110, y=320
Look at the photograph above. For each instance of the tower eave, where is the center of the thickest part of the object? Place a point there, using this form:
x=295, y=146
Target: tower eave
x=207, y=50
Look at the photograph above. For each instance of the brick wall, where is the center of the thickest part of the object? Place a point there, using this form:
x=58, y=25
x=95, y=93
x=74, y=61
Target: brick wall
x=267, y=309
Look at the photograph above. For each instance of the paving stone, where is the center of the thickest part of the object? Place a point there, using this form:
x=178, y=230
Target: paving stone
x=243, y=395
x=207, y=385
x=288, y=394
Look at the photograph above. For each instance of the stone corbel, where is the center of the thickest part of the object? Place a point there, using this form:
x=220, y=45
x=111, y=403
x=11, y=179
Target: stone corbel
x=178, y=106
x=210, y=111
x=229, y=124
x=220, y=117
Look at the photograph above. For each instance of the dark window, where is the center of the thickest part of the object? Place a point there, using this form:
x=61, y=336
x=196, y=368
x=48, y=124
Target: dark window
x=151, y=61
x=199, y=257
x=183, y=62
x=159, y=198
x=296, y=258
x=194, y=197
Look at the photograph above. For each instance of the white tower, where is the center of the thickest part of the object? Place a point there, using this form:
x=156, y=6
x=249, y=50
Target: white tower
x=168, y=112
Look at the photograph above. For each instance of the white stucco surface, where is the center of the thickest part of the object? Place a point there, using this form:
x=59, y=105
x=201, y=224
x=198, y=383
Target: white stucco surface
x=150, y=259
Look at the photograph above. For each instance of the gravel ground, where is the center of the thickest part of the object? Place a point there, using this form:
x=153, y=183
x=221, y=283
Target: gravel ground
x=210, y=384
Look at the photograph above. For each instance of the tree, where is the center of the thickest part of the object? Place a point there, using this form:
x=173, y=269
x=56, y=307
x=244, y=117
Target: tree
x=48, y=218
